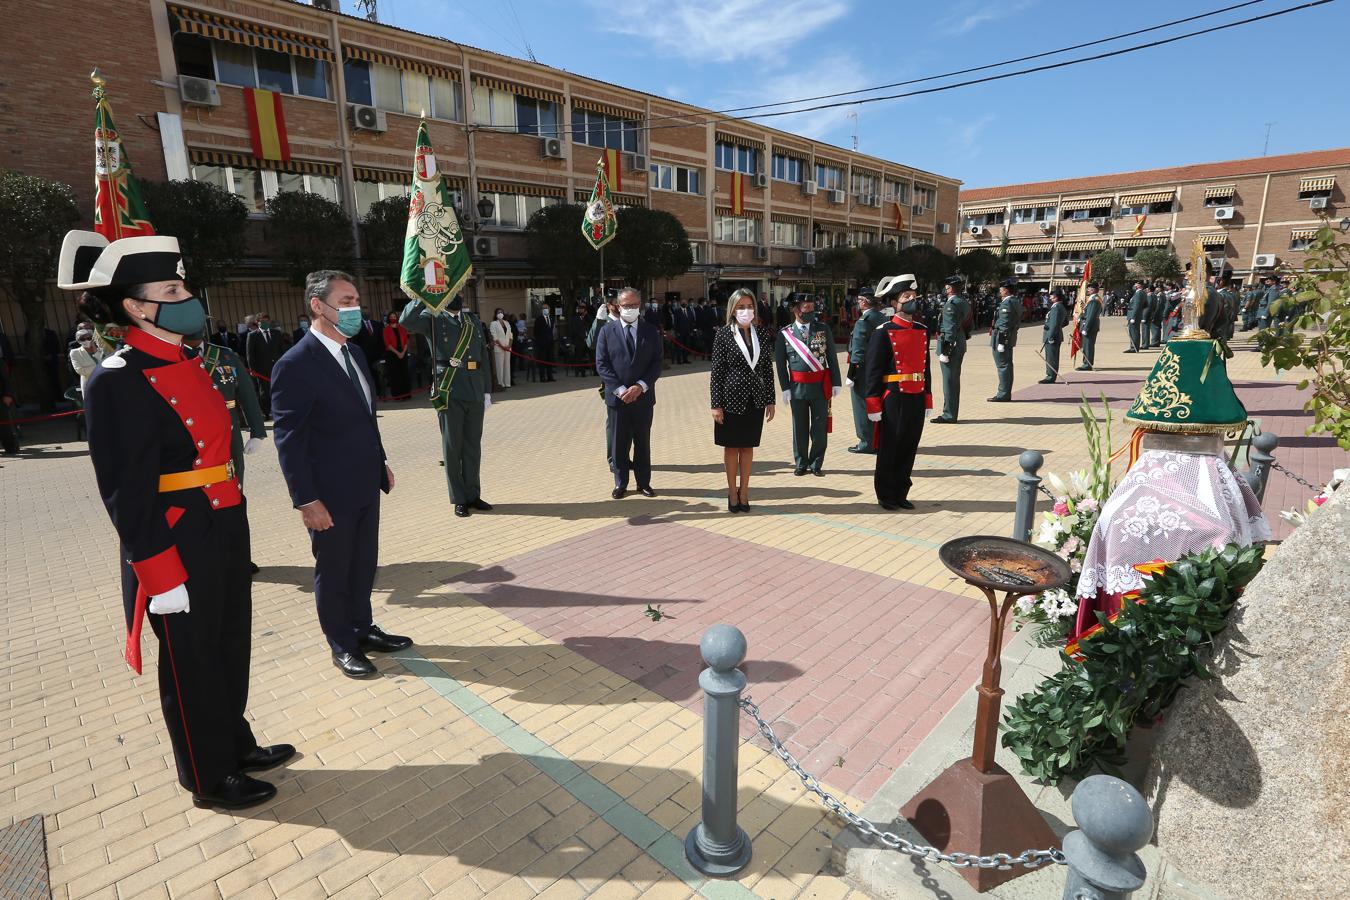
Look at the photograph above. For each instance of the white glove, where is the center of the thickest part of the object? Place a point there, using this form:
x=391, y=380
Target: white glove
x=944, y=358
x=848, y=382
x=174, y=600
x=874, y=417
x=1000, y=348
x=834, y=392
x=787, y=396
x=1132, y=321
x=252, y=444
x=487, y=402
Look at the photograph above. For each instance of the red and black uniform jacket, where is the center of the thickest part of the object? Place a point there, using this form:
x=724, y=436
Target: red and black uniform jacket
x=898, y=348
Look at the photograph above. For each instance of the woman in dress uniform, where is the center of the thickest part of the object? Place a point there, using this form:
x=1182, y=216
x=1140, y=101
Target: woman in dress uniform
x=742, y=392
x=159, y=438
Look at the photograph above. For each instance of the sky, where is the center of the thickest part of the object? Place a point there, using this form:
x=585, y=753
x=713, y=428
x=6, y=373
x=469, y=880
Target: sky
x=1200, y=100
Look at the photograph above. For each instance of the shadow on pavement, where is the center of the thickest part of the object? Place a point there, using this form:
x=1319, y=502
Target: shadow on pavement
x=503, y=595
x=978, y=450
x=409, y=582
x=1022, y=420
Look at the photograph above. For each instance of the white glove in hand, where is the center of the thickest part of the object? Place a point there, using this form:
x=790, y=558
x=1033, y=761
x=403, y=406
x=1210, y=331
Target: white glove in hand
x=834, y=392
x=787, y=396
x=487, y=402
x=171, y=601
x=1000, y=348
x=874, y=417
x=252, y=444
x=944, y=358
x=848, y=382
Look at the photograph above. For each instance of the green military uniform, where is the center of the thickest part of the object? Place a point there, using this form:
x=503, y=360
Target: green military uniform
x=952, y=345
x=1133, y=316
x=1230, y=305
x=231, y=377
x=1052, y=337
x=1249, y=301
x=459, y=380
x=857, y=354
x=1089, y=323
x=809, y=401
x=1157, y=312
x=1007, y=318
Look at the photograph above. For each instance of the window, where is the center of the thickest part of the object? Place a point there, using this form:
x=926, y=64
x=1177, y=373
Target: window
x=826, y=237
x=445, y=100
x=987, y=219
x=829, y=178
x=726, y=156
x=1033, y=214
x=193, y=56
x=356, y=76
x=1080, y=215
x=494, y=107
x=897, y=191
x=599, y=130
x=256, y=186
x=1029, y=257
x=735, y=158
x=1144, y=209
x=922, y=241
x=863, y=185
x=536, y=117
x=514, y=210
x=244, y=66
x=787, y=168
x=696, y=251
x=789, y=234
x=1073, y=256
x=736, y=230
x=861, y=237
x=375, y=84
x=1300, y=243
x=924, y=197
x=234, y=65
x=1221, y=200
x=676, y=178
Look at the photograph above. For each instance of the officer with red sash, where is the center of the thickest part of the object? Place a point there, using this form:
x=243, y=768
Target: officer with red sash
x=899, y=392
x=159, y=439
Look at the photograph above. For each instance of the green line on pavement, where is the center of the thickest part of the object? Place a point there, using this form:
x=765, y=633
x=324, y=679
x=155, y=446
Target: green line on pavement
x=623, y=817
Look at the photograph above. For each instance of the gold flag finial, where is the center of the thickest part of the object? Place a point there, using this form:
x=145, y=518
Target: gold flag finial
x=100, y=83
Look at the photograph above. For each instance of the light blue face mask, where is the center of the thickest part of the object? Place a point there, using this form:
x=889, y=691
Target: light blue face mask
x=186, y=317
x=348, y=321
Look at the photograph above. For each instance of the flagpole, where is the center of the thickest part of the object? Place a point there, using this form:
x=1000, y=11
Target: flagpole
x=602, y=273
x=99, y=95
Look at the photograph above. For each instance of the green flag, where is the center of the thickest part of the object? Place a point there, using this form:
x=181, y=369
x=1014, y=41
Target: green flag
x=119, y=211
x=599, y=224
x=435, y=254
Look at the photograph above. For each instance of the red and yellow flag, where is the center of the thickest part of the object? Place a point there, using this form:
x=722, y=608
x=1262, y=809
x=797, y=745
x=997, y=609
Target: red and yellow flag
x=1076, y=343
x=737, y=193
x=1139, y=225
x=119, y=211
x=614, y=170
x=266, y=125
x=899, y=217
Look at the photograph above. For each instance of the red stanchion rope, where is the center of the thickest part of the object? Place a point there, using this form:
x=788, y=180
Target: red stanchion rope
x=544, y=362
x=42, y=418
x=687, y=349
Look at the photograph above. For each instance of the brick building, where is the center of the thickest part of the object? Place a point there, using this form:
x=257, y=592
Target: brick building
x=1254, y=215
x=352, y=91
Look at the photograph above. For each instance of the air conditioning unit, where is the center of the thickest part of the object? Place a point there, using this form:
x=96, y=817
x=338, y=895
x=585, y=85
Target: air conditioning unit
x=1073, y=269
x=1223, y=213
x=485, y=246
x=198, y=91
x=1318, y=203
x=874, y=200
x=639, y=162
x=944, y=228
x=917, y=209
x=368, y=118
x=550, y=148
x=1264, y=261
x=977, y=229
x=761, y=180
x=761, y=253
x=809, y=258
x=809, y=188
x=1047, y=227
x=1100, y=221
x=838, y=197
x=1021, y=268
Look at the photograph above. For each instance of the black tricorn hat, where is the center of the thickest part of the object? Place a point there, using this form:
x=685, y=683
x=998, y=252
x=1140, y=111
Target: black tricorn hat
x=88, y=260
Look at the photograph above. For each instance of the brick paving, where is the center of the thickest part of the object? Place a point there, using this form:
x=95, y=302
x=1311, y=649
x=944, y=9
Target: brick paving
x=548, y=739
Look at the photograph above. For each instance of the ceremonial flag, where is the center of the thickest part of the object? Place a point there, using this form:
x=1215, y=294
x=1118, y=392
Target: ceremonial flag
x=435, y=254
x=119, y=211
x=266, y=125
x=737, y=193
x=1076, y=344
x=1139, y=225
x=899, y=217
x=599, y=223
x=613, y=169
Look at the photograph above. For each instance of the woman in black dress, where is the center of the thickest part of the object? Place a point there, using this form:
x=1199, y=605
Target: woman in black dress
x=742, y=392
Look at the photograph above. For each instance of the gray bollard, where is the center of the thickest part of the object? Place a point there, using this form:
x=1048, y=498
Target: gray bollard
x=1027, y=483
x=717, y=845
x=1113, y=822
x=1261, y=455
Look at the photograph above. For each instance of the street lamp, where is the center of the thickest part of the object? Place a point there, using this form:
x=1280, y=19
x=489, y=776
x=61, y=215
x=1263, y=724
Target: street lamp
x=485, y=208
x=777, y=274
x=1345, y=225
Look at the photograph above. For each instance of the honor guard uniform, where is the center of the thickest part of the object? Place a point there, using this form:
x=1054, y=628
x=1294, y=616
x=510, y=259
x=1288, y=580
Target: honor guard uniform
x=867, y=322
x=953, y=332
x=899, y=393
x=159, y=439
x=1157, y=312
x=808, y=375
x=1052, y=337
x=1226, y=326
x=231, y=378
x=1134, y=314
x=459, y=391
x=1003, y=337
x=1089, y=323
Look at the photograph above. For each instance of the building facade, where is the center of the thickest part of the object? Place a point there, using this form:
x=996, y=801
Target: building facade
x=1252, y=215
x=517, y=133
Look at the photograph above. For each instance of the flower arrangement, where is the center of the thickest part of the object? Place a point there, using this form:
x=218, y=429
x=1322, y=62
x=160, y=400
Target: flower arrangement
x=1298, y=517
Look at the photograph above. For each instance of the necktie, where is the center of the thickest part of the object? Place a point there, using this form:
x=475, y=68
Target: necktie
x=632, y=340
x=192, y=352
x=356, y=379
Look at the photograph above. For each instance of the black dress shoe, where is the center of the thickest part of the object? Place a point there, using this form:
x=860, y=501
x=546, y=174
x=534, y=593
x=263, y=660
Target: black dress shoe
x=381, y=641
x=253, y=567
x=354, y=665
x=744, y=507
x=818, y=472
x=618, y=493
x=1046, y=381
x=800, y=470
x=858, y=448
x=462, y=510
x=647, y=491
x=904, y=504
x=1131, y=350
x=481, y=504
x=266, y=757
x=999, y=399
x=888, y=506
x=942, y=420
x=237, y=791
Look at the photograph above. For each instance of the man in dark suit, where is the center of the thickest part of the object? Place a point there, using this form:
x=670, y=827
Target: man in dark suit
x=682, y=324
x=628, y=359
x=328, y=444
x=545, y=330
x=371, y=341
x=261, y=351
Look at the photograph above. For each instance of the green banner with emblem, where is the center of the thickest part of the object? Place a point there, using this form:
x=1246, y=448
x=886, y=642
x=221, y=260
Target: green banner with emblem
x=435, y=251
x=599, y=224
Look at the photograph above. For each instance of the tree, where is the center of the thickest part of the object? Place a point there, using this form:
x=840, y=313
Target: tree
x=927, y=263
x=34, y=216
x=651, y=244
x=1157, y=264
x=841, y=263
x=209, y=222
x=310, y=232
x=1320, y=337
x=384, y=228
x=979, y=267
x=556, y=248
x=882, y=260
x=1109, y=269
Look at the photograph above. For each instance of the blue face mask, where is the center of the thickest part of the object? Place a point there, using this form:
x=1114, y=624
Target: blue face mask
x=186, y=317
x=348, y=320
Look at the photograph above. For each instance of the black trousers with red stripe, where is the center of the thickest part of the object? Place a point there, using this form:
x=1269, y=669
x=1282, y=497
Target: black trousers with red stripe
x=204, y=652
x=901, y=426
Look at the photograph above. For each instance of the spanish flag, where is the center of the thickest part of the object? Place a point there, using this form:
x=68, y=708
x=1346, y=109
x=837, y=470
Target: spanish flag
x=613, y=170
x=1139, y=225
x=899, y=217
x=266, y=125
x=737, y=193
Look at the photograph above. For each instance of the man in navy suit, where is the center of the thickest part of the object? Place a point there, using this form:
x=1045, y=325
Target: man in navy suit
x=328, y=444
x=628, y=356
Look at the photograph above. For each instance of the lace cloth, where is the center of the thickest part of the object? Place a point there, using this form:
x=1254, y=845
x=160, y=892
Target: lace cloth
x=1168, y=505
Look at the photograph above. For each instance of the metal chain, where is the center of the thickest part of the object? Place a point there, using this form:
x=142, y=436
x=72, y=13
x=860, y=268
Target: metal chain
x=1288, y=474
x=1045, y=490
x=1030, y=859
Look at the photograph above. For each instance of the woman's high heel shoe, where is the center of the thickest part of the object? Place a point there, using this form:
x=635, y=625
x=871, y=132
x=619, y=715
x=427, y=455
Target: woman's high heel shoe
x=731, y=506
x=743, y=507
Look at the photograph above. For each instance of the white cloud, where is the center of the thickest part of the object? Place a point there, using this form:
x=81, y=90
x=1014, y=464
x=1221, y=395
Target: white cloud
x=723, y=30
x=966, y=16
x=965, y=137
x=830, y=74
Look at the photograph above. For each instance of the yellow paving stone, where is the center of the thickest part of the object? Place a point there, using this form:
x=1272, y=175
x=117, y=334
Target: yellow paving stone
x=512, y=889
x=208, y=871
x=259, y=870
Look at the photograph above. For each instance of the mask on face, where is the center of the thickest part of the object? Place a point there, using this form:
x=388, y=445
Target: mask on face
x=909, y=307
x=266, y=326
x=629, y=315
x=348, y=320
x=185, y=317
x=745, y=316
x=457, y=304
x=808, y=317
x=304, y=324
x=500, y=316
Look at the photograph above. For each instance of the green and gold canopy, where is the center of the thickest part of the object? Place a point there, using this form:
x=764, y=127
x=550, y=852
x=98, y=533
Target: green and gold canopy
x=1189, y=391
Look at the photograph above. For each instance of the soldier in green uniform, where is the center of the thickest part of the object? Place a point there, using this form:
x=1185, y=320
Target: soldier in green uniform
x=1157, y=310
x=1052, y=337
x=1249, y=300
x=808, y=374
x=1230, y=304
x=1133, y=315
x=231, y=377
x=869, y=317
x=460, y=392
x=1003, y=337
x=952, y=335
x=1089, y=323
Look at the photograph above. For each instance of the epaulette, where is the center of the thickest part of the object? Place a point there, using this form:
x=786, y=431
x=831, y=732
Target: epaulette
x=114, y=360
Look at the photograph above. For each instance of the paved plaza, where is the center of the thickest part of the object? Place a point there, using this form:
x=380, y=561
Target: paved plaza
x=544, y=736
